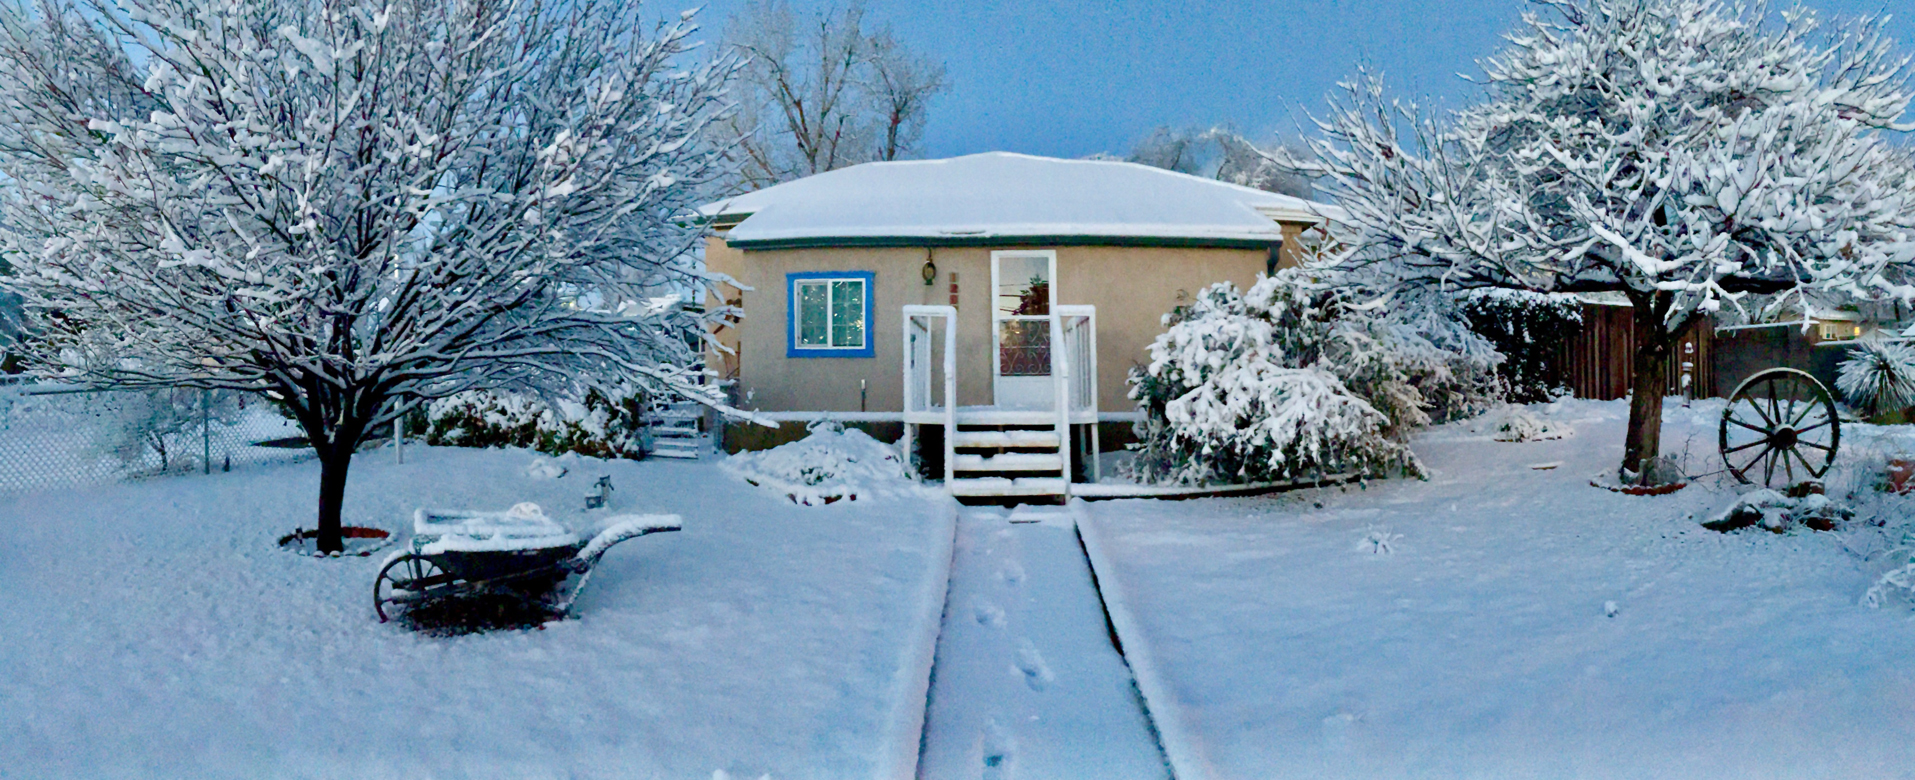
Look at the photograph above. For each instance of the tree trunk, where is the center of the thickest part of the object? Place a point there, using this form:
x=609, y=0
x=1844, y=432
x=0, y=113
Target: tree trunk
x=1654, y=341
x=333, y=465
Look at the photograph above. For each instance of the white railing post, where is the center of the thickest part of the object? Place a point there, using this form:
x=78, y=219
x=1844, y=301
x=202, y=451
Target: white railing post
x=950, y=396
x=910, y=382
x=1061, y=396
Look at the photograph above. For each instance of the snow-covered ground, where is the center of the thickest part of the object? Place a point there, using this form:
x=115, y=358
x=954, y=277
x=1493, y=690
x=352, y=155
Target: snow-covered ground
x=153, y=630
x=1501, y=620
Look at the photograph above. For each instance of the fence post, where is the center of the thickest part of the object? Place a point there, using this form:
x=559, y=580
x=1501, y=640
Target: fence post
x=205, y=433
x=399, y=436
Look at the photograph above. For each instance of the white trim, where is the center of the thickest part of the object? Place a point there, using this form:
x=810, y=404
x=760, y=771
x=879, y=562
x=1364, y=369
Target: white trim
x=828, y=282
x=997, y=355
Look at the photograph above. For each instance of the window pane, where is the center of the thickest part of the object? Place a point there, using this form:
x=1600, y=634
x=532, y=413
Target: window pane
x=847, y=314
x=1024, y=286
x=1024, y=348
x=812, y=314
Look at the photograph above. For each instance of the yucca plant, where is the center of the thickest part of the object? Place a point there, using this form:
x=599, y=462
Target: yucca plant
x=1878, y=376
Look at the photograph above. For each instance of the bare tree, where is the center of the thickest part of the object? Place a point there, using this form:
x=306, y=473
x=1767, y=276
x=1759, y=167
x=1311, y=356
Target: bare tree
x=1222, y=154
x=822, y=92
x=355, y=205
x=1172, y=149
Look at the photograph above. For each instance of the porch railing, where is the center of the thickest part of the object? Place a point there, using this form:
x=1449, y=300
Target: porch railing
x=930, y=374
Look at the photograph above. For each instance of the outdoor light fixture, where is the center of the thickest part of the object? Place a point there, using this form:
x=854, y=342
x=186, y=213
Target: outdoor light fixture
x=930, y=272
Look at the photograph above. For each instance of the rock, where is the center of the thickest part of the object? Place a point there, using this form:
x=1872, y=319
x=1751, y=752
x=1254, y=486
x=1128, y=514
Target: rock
x=1759, y=507
x=1805, y=488
x=1779, y=513
x=1661, y=471
x=1817, y=512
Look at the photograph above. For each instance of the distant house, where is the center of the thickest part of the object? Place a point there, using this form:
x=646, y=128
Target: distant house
x=1038, y=282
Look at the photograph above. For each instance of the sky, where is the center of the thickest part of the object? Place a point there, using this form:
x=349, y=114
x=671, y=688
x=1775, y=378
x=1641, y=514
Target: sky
x=1075, y=77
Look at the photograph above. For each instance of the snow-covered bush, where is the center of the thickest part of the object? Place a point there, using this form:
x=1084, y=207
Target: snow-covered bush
x=164, y=424
x=597, y=427
x=1287, y=381
x=1529, y=330
x=830, y=464
x=1878, y=376
x=1518, y=424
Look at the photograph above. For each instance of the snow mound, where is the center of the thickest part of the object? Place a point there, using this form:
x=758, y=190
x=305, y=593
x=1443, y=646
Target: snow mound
x=1517, y=424
x=828, y=465
x=545, y=468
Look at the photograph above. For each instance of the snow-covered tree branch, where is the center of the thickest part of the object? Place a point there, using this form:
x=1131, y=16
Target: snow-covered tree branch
x=1687, y=154
x=356, y=206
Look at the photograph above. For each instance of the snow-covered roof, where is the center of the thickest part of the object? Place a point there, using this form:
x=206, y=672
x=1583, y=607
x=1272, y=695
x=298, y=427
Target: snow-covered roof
x=996, y=197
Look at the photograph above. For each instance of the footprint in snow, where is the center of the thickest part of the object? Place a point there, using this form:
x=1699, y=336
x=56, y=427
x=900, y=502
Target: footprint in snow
x=998, y=748
x=1011, y=572
x=1030, y=663
x=988, y=614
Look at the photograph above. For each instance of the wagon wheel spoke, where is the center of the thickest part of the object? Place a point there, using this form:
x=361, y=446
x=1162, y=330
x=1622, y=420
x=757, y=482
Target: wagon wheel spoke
x=1787, y=465
x=1756, y=443
x=1744, y=469
x=1753, y=404
x=1757, y=429
x=1774, y=413
x=1822, y=447
x=1768, y=466
x=1807, y=409
x=1813, y=471
x=1822, y=424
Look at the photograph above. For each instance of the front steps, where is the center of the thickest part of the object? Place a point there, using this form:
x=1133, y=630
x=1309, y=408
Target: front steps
x=1008, y=457
x=674, y=431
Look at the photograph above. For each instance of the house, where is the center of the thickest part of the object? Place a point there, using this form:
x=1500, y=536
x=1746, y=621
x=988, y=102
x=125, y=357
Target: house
x=926, y=297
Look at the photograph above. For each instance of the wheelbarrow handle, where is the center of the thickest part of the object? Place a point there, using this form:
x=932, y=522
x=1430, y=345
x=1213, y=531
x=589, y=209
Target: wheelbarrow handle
x=621, y=529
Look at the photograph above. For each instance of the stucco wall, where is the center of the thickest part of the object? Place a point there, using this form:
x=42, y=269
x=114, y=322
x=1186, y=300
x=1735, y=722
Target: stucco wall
x=1132, y=287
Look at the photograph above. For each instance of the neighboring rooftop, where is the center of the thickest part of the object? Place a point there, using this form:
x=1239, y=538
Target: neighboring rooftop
x=1000, y=197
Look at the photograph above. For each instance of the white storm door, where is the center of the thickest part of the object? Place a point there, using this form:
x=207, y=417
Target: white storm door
x=1023, y=292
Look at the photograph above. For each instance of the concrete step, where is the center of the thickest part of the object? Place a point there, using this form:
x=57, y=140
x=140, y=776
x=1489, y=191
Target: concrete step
x=976, y=439
x=1012, y=461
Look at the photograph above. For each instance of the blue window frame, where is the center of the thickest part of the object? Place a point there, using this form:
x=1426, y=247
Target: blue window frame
x=828, y=314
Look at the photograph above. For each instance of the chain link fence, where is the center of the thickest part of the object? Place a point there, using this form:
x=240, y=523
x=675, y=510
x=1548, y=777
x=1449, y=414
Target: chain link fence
x=54, y=437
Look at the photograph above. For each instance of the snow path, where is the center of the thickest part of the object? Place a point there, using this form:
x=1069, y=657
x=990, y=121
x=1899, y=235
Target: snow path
x=1026, y=682
x=1464, y=627
x=152, y=630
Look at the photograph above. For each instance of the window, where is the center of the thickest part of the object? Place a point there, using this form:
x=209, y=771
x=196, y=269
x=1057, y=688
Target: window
x=830, y=314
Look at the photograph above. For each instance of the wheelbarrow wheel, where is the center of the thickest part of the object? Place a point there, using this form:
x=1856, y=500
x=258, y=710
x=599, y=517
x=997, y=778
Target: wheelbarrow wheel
x=403, y=583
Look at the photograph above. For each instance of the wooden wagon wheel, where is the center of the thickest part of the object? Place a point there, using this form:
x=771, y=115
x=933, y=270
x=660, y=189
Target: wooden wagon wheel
x=405, y=581
x=1780, y=422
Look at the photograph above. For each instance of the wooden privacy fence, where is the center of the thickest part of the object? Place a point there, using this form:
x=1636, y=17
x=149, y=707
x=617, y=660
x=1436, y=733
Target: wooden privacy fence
x=1598, y=362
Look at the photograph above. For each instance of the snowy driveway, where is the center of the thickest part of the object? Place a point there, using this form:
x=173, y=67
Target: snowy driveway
x=1280, y=641
x=152, y=630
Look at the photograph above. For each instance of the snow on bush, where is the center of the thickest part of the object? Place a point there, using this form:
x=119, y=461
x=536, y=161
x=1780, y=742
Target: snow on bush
x=831, y=463
x=1518, y=424
x=1289, y=381
x=1878, y=376
x=597, y=427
